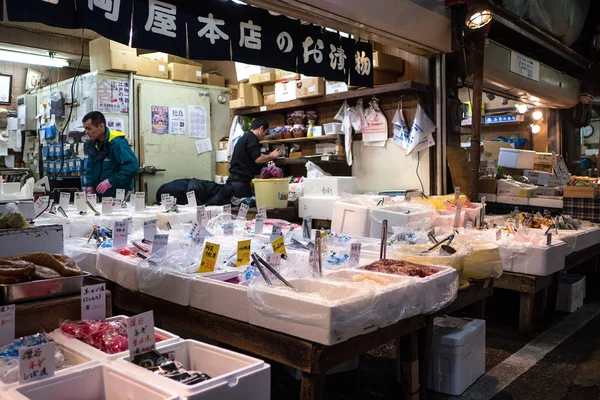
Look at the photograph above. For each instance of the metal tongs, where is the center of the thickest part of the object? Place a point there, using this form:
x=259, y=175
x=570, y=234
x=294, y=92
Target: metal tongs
x=317, y=255
x=260, y=264
x=92, y=208
x=127, y=196
x=62, y=211
x=383, y=244
x=445, y=247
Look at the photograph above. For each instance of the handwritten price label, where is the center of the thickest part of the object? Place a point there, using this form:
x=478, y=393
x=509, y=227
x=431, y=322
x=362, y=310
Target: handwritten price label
x=36, y=363
x=120, y=234
x=139, y=199
x=91, y=198
x=209, y=257
x=64, y=200
x=93, y=302
x=159, y=242
x=120, y=195
x=201, y=215
x=259, y=224
x=191, y=198
x=243, y=253
x=243, y=212
x=80, y=202
x=7, y=324
x=150, y=229
x=262, y=211
x=140, y=333
x=278, y=246
x=107, y=205
x=354, y=254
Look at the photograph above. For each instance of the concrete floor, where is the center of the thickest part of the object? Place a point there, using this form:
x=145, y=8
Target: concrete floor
x=570, y=370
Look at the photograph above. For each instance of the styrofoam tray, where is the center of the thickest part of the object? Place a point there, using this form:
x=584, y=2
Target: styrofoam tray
x=95, y=354
x=540, y=260
x=400, y=215
x=118, y=268
x=91, y=383
x=233, y=375
x=316, y=207
x=73, y=359
x=333, y=186
x=213, y=294
x=351, y=219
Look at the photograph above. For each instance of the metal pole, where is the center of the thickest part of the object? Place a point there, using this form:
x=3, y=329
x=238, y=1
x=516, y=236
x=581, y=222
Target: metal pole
x=478, y=40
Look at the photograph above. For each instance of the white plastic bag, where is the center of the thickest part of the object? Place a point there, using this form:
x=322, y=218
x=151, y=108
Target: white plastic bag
x=421, y=137
x=400, y=129
x=376, y=127
x=314, y=171
x=346, y=115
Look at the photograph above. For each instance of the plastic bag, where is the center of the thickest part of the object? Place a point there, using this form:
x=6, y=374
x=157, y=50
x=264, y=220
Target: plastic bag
x=348, y=117
x=375, y=128
x=400, y=129
x=359, y=110
x=314, y=171
x=421, y=137
x=13, y=218
x=271, y=171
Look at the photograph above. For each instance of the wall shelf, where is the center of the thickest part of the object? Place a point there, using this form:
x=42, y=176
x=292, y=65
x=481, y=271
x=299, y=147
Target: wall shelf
x=303, y=160
x=392, y=88
x=326, y=138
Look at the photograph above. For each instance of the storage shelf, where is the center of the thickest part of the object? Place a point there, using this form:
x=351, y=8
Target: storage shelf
x=398, y=88
x=303, y=160
x=326, y=138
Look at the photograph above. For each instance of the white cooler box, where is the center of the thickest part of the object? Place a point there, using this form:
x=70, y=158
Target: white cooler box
x=92, y=383
x=516, y=158
x=118, y=268
x=233, y=375
x=458, y=354
x=330, y=186
x=571, y=292
x=399, y=216
x=539, y=260
x=316, y=207
x=353, y=217
x=167, y=338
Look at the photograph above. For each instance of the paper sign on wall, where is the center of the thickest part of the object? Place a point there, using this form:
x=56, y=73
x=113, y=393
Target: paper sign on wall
x=140, y=333
x=113, y=96
x=203, y=146
x=177, y=121
x=115, y=123
x=198, y=121
x=160, y=119
x=7, y=324
x=209, y=257
x=93, y=302
x=36, y=363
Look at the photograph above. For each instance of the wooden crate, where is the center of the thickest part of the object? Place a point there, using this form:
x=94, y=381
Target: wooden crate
x=580, y=191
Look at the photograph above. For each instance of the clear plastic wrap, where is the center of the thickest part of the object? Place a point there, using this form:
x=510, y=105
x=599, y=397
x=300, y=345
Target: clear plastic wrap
x=314, y=171
x=83, y=253
x=400, y=214
x=216, y=226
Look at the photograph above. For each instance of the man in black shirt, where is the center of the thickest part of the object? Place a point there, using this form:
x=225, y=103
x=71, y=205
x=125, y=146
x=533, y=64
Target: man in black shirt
x=246, y=158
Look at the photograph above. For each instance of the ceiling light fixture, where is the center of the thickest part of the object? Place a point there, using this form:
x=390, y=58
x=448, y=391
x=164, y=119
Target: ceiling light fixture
x=521, y=108
x=478, y=16
x=537, y=115
x=25, y=58
x=535, y=129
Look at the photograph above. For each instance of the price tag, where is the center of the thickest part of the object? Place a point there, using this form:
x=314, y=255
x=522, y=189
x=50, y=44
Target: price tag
x=549, y=239
x=201, y=215
x=41, y=204
x=191, y=198
x=140, y=333
x=150, y=229
x=91, y=198
x=243, y=212
x=120, y=235
x=64, y=200
x=209, y=257
x=278, y=245
x=159, y=242
x=195, y=230
x=117, y=204
x=259, y=223
x=243, y=253
x=164, y=197
x=107, y=205
x=139, y=199
x=274, y=259
x=262, y=211
x=499, y=234
x=93, y=302
x=276, y=232
x=354, y=254
x=36, y=363
x=228, y=228
x=306, y=227
x=227, y=211
x=129, y=221
x=456, y=193
x=170, y=202
x=120, y=195
x=80, y=202
x=7, y=324
x=457, y=216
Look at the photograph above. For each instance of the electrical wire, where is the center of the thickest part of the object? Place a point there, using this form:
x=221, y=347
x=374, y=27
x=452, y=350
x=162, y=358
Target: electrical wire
x=73, y=84
x=417, y=171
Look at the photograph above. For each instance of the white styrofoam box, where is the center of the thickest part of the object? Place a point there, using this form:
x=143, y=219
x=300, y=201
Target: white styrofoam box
x=549, y=191
x=350, y=365
x=509, y=187
x=447, y=218
x=167, y=338
x=400, y=215
x=316, y=207
x=74, y=360
x=329, y=186
x=515, y=158
x=91, y=383
x=173, y=287
x=458, y=354
x=11, y=187
x=326, y=319
x=45, y=239
x=243, y=71
x=571, y=292
x=351, y=219
x=213, y=294
x=539, y=260
x=51, y=219
x=521, y=201
x=489, y=197
x=221, y=156
x=185, y=215
x=233, y=375
x=587, y=236
x=332, y=128
x=118, y=268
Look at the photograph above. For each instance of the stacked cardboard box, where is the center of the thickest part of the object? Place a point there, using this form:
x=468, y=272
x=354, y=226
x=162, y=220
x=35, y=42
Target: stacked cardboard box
x=248, y=96
x=185, y=73
x=106, y=55
x=152, y=68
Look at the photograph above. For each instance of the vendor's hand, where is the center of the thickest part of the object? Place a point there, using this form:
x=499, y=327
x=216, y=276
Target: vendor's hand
x=103, y=186
x=275, y=153
x=89, y=190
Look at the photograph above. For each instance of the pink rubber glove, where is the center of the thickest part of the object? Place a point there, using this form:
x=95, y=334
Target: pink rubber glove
x=89, y=190
x=103, y=186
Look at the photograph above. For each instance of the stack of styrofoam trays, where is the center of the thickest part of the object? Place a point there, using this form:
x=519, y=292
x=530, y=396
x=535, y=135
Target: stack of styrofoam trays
x=164, y=338
x=74, y=361
x=83, y=253
x=447, y=217
x=94, y=382
x=233, y=375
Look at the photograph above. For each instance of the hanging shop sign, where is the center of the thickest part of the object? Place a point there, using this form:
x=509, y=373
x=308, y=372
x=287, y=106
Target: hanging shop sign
x=211, y=30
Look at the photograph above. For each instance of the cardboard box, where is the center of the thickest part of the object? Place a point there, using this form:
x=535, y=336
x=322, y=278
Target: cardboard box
x=543, y=159
x=106, y=55
x=269, y=100
x=167, y=58
x=321, y=148
x=244, y=71
x=541, y=178
x=213, y=79
x=285, y=76
x=261, y=79
x=384, y=77
x=387, y=62
x=252, y=95
x=223, y=169
x=285, y=91
x=511, y=189
x=487, y=185
x=185, y=73
x=310, y=87
x=234, y=91
x=491, y=150
x=152, y=68
x=547, y=191
x=332, y=87
x=268, y=89
x=543, y=168
x=243, y=103
x=587, y=192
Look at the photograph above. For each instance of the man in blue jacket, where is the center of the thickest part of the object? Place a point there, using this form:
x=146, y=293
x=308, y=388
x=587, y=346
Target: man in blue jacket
x=111, y=163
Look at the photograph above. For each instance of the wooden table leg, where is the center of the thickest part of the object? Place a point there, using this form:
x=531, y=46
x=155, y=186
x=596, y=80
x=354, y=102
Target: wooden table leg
x=526, y=313
x=409, y=354
x=313, y=386
x=539, y=308
x=552, y=299
x=425, y=342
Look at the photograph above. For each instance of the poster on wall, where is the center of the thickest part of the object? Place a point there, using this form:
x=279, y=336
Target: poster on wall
x=115, y=123
x=177, y=121
x=5, y=86
x=197, y=121
x=113, y=96
x=160, y=119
